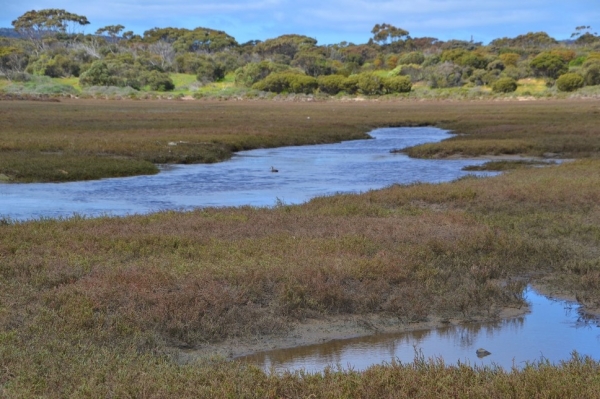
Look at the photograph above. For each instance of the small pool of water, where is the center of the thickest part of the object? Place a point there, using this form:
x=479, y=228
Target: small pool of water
x=305, y=172
x=552, y=330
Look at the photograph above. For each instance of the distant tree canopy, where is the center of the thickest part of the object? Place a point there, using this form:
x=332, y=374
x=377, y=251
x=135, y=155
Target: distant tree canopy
x=529, y=40
x=384, y=32
x=548, y=64
x=197, y=40
x=111, y=30
x=37, y=24
x=45, y=43
x=286, y=45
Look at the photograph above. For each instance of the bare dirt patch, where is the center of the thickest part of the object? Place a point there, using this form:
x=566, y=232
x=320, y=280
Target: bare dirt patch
x=317, y=331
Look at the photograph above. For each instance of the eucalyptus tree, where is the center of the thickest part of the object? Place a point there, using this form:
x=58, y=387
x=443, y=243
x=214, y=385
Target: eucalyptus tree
x=112, y=31
x=384, y=32
x=37, y=26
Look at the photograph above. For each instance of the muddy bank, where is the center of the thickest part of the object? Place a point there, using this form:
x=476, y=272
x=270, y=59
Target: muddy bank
x=317, y=331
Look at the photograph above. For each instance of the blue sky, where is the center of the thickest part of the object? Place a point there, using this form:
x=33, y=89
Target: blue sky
x=331, y=21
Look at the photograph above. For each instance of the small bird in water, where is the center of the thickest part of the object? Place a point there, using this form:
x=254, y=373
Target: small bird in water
x=274, y=170
x=482, y=353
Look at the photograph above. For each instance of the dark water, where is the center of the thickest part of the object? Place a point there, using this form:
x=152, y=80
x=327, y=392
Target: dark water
x=552, y=330
x=305, y=172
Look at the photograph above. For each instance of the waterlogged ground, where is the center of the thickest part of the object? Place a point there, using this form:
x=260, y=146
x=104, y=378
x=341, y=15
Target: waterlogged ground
x=551, y=331
x=304, y=172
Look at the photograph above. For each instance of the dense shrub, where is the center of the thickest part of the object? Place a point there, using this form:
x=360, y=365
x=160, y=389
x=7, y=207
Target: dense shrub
x=463, y=57
x=591, y=72
x=577, y=61
x=397, y=84
x=102, y=73
x=187, y=63
x=495, y=65
x=444, y=75
x=351, y=84
x=413, y=71
x=370, y=84
x=208, y=70
x=229, y=60
x=504, y=85
x=302, y=84
x=549, y=65
x=332, y=84
x=19, y=76
x=481, y=77
x=431, y=60
x=58, y=66
x=415, y=57
x=97, y=74
x=510, y=59
x=570, y=82
x=518, y=72
x=158, y=81
x=254, y=72
x=289, y=81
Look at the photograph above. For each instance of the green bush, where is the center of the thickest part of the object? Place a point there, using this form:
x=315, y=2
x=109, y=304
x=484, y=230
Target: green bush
x=188, y=63
x=577, y=61
x=208, y=70
x=570, y=82
x=101, y=73
x=447, y=74
x=302, y=84
x=591, y=72
x=549, y=65
x=413, y=71
x=504, y=85
x=56, y=67
x=398, y=84
x=158, y=81
x=97, y=74
x=351, y=84
x=331, y=84
x=481, y=77
x=370, y=83
x=415, y=57
x=288, y=81
x=254, y=72
x=464, y=58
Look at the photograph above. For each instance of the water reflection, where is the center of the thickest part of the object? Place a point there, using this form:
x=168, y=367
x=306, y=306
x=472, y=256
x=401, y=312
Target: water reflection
x=304, y=172
x=553, y=330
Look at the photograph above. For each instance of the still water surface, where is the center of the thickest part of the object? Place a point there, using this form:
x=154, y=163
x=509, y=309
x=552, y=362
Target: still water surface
x=305, y=172
x=552, y=330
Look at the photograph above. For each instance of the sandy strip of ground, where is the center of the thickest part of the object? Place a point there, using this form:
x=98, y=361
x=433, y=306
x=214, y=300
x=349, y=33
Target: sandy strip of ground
x=316, y=331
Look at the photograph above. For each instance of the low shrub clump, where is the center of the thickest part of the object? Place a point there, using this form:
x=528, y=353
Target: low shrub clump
x=504, y=85
x=570, y=82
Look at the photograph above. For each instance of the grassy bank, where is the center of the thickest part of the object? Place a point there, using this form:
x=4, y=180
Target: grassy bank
x=98, y=307
x=77, y=139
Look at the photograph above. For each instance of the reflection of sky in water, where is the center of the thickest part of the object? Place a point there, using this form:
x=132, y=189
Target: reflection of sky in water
x=553, y=330
x=304, y=173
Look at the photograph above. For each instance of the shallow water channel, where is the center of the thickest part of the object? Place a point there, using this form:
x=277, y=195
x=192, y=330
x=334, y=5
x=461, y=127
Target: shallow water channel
x=305, y=172
x=552, y=330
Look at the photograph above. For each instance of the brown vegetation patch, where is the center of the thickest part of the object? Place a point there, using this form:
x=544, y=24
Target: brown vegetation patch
x=210, y=131
x=82, y=298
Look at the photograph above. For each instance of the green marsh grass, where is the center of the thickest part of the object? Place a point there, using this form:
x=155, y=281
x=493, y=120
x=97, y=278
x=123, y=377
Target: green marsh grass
x=504, y=165
x=164, y=131
x=98, y=307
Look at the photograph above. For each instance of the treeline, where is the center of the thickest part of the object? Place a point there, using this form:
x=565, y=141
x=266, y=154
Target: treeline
x=391, y=62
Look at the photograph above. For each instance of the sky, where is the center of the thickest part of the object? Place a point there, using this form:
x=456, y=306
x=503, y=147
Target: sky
x=330, y=21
